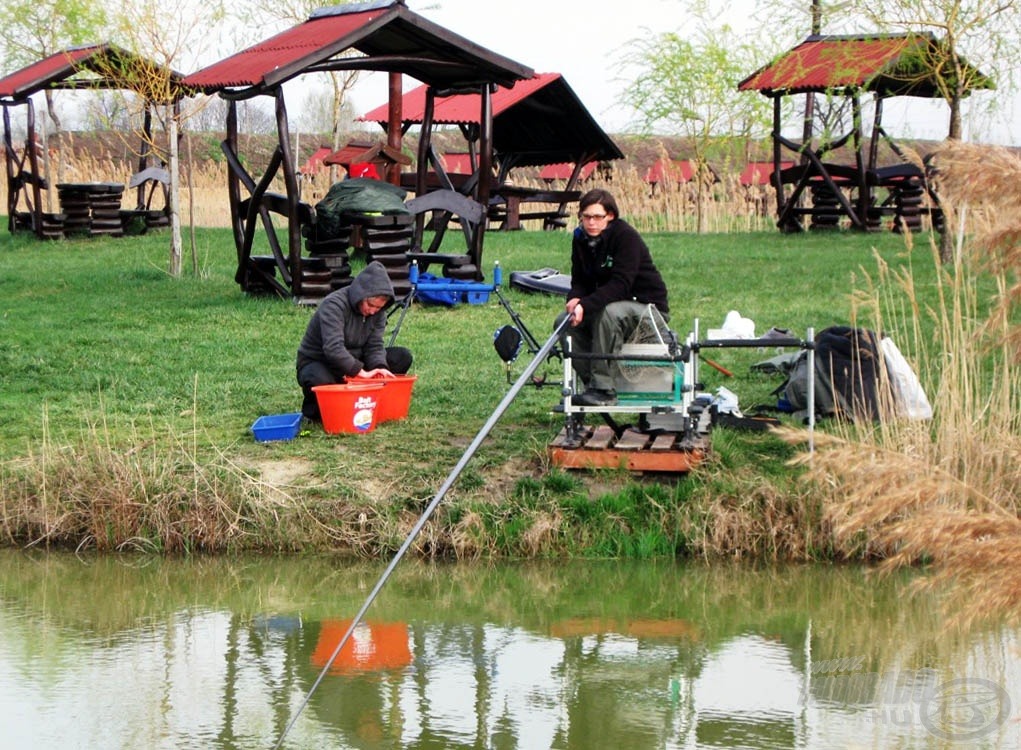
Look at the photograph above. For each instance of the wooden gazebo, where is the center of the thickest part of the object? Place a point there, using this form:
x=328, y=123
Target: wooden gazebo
x=884, y=65
x=92, y=67
x=537, y=122
x=389, y=38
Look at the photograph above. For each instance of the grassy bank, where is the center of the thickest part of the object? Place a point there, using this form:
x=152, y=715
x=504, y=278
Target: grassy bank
x=127, y=398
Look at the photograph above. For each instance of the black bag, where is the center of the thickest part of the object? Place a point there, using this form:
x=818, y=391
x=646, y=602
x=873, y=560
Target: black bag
x=849, y=376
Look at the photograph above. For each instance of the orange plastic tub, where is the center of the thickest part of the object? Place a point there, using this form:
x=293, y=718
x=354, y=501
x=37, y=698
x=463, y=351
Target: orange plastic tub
x=395, y=400
x=349, y=407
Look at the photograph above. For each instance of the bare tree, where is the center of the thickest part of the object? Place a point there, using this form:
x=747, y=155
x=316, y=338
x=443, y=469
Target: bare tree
x=293, y=12
x=109, y=110
x=171, y=33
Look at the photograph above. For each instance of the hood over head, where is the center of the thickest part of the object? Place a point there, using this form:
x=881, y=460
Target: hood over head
x=373, y=281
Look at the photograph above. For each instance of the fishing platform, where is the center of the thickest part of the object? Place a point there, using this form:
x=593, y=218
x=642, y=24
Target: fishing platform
x=659, y=391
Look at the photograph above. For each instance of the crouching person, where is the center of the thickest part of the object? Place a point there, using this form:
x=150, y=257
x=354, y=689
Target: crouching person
x=344, y=338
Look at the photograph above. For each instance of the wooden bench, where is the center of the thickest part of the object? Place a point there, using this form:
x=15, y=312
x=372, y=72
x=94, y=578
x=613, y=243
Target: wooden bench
x=143, y=217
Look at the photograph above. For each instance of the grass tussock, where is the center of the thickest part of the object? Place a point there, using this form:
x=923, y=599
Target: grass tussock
x=946, y=493
x=760, y=523
x=164, y=497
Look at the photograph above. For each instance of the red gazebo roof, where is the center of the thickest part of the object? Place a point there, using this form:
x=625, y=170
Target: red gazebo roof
x=457, y=163
x=758, y=172
x=563, y=171
x=315, y=161
x=461, y=109
x=889, y=64
x=390, y=37
x=105, y=65
x=676, y=170
x=537, y=121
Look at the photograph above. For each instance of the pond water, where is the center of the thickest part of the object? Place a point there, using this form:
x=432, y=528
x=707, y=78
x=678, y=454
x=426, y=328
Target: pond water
x=140, y=652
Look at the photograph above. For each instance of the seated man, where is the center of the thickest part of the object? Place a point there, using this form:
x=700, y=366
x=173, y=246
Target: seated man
x=613, y=282
x=344, y=338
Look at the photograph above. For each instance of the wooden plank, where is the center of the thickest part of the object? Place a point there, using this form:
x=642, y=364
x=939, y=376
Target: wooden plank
x=664, y=442
x=601, y=438
x=631, y=441
x=633, y=451
x=561, y=438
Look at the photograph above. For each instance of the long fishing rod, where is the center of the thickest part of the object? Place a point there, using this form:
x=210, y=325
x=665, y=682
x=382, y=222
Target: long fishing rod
x=433, y=504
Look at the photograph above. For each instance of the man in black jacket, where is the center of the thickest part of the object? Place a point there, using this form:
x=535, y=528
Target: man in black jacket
x=613, y=282
x=344, y=338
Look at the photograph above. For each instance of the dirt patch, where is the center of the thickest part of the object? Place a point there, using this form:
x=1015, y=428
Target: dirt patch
x=500, y=480
x=287, y=472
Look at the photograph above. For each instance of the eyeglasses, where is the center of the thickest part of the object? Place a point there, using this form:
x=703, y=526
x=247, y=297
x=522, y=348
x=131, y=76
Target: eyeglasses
x=593, y=217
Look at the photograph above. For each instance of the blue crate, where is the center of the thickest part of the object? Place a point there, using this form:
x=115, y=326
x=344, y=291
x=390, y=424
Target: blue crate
x=276, y=427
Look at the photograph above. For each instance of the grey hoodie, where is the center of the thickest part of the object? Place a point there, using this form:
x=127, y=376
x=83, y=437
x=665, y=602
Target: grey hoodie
x=339, y=335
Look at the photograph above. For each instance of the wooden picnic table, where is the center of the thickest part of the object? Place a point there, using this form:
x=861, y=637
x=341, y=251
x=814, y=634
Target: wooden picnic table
x=510, y=211
x=91, y=207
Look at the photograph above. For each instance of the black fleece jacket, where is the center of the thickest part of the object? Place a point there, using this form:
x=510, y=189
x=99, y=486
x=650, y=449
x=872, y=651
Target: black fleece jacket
x=613, y=267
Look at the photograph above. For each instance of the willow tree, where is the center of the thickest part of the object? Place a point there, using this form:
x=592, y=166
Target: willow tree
x=978, y=39
x=687, y=85
x=31, y=30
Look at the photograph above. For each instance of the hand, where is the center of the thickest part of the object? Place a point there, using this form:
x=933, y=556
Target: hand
x=379, y=372
x=575, y=311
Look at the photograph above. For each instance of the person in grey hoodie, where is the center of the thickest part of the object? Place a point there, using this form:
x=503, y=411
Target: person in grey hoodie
x=344, y=338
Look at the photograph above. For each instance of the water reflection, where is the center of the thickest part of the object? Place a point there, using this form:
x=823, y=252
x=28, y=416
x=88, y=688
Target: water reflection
x=219, y=653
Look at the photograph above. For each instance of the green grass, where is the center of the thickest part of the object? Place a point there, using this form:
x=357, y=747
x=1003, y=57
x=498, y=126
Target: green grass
x=98, y=345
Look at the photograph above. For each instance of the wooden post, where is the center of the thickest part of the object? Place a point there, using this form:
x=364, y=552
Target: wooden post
x=864, y=189
x=777, y=182
x=393, y=130
x=485, y=174
x=291, y=190
x=33, y=167
x=230, y=145
x=422, y=172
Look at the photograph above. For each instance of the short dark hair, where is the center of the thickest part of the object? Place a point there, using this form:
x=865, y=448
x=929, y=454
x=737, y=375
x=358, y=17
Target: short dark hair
x=601, y=197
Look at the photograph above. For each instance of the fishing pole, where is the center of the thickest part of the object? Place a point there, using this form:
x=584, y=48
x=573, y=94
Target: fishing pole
x=433, y=504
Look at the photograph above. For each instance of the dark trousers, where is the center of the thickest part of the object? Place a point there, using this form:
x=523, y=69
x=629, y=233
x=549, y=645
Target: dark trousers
x=398, y=361
x=604, y=333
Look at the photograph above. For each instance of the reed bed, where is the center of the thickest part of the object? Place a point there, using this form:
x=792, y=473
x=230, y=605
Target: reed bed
x=946, y=493
x=670, y=206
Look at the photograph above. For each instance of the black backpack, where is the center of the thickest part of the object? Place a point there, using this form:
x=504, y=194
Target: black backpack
x=849, y=377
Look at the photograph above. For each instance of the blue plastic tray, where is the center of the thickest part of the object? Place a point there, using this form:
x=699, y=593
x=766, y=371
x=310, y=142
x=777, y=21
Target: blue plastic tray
x=276, y=427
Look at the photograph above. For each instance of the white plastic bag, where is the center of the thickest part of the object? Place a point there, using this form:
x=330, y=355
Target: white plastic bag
x=911, y=400
x=726, y=402
x=735, y=326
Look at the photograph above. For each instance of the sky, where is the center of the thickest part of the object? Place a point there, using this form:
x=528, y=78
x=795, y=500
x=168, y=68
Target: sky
x=583, y=42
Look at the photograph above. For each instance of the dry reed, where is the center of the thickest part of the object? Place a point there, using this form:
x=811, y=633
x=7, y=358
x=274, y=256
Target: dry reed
x=726, y=205
x=946, y=493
